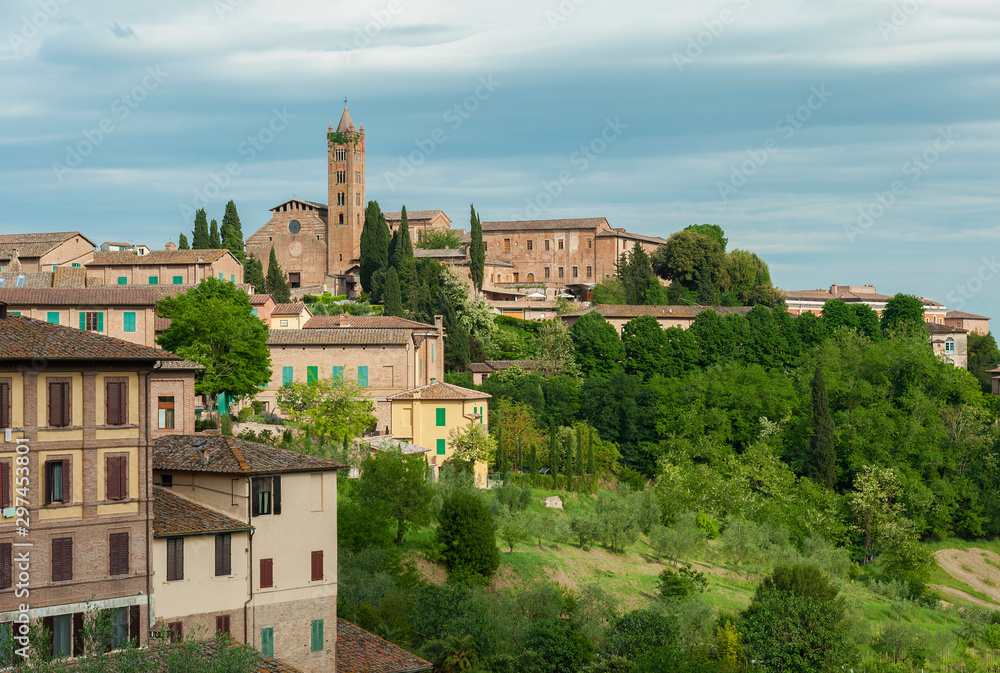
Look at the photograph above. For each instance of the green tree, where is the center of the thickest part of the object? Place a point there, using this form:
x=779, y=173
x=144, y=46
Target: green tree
x=391, y=299
x=253, y=274
x=903, y=313
x=746, y=273
x=397, y=484
x=635, y=274
x=822, y=466
x=182, y=243
x=555, y=348
x=866, y=321
x=983, y=356
x=232, y=231
x=213, y=324
x=200, y=237
x=599, y=351
x=639, y=632
x=713, y=231
x=214, y=240
x=439, y=239
x=403, y=252
x=556, y=645
x=646, y=350
x=680, y=259
x=477, y=253
x=333, y=409
x=456, y=352
x=473, y=443
x=374, y=244
x=836, y=313
x=618, y=520
x=467, y=536
x=276, y=283
x=707, y=294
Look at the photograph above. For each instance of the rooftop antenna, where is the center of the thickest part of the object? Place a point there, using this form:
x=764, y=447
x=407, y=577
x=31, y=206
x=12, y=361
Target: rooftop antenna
x=345, y=102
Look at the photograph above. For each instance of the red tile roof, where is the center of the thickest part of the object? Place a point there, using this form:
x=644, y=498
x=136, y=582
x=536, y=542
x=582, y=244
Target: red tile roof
x=359, y=651
x=943, y=329
x=634, y=310
x=35, y=245
x=542, y=225
x=157, y=257
x=412, y=215
x=364, y=322
x=176, y=515
x=338, y=336
x=288, y=309
x=441, y=391
x=230, y=455
x=23, y=338
x=260, y=298
x=964, y=315
x=115, y=295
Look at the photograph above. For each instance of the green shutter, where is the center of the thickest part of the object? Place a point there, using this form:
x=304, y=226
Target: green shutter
x=255, y=312
x=220, y=277
x=154, y=280
x=432, y=353
x=267, y=640
x=14, y=312
x=100, y=321
x=130, y=321
x=440, y=447
x=52, y=317
x=316, y=632
x=178, y=280
x=363, y=376
x=312, y=374
x=122, y=280
x=287, y=375
x=83, y=320
x=338, y=374
x=441, y=417
x=232, y=278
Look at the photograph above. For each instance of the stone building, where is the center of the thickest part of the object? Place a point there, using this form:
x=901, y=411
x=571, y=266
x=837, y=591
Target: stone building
x=949, y=343
x=44, y=252
x=419, y=222
x=164, y=267
x=970, y=322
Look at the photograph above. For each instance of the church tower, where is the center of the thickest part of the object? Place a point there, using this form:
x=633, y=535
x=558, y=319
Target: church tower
x=346, y=195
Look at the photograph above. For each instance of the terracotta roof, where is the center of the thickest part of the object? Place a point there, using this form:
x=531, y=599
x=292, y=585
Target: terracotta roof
x=359, y=651
x=943, y=329
x=114, y=295
x=157, y=257
x=119, y=244
x=314, y=204
x=412, y=215
x=440, y=391
x=35, y=245
x=65, y=276
x=345, y=122
x=542, y=225
x=208, y=650
x=260, y=298
x=23, y=338
x=288, y=309
x=634, y=310
x=479, y=368
x=181, y=364
x=338, y=336
x=439, y=253
x=230, y=455
x=847, y=295
x=621, y=233
x=964, y=315
x=30, y=279
x=176, y=515
x=363, y=322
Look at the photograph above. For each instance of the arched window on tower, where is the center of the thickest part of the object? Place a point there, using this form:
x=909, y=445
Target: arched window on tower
x=341, y=218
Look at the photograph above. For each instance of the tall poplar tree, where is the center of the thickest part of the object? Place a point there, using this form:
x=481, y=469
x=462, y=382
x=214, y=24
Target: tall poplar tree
x=182, y=243
x=477, y=254
x=276, y=283
x=214, y=241
x=200, y=237
x=374, y=244
x=822, y=467
x=232, y=231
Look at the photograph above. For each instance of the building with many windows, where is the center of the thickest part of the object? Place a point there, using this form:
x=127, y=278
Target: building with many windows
x=164, y=267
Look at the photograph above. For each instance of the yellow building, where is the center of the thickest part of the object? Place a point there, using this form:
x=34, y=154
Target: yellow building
x=426, y=416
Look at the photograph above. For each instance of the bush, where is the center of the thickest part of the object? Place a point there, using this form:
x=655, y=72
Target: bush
x=635, y=480
x=799, y=579
x=681, y=583
x=639, y=632
x=709, y=525
x=556, y=645
x=467, y=535
x=227, y=425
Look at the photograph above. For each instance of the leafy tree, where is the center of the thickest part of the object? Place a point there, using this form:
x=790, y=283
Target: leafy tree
x=608, y=291
x=512, y=532
x=584, y=527
x=439, y=239
x=646, y=350
x=799, y=579
x=680, y=540
x=473, y=443
x=477, y=254
x=253, y=273
x=746, y=273
x=639, y=632
x=374, y=244
x=836, y=313
x=822, y=466
x=681, y=583
x=333, y=409
x=707, y=294
x=866, y=321
x=397, y=484
x=713, y=231
x=681, y=258
x=618, y=519
x=213, y=324
x=635, y=272
x=599, y=351
x=200, y=239
x=556, y=645
x=453, y=654
x=214, y=240
x=555, y=348
x=182, y=243
x=232, y=231
x=878, y=513
x=276, y=282
x=983, y=356
x=903, y=313
x=466, y=533
x=391, y=299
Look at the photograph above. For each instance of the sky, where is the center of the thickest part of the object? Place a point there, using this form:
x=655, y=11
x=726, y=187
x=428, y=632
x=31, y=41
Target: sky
x=844, y=141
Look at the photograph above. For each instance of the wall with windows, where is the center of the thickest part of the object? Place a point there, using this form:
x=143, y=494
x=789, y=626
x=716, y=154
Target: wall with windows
x=168, y=274
x=129, y=323
x=172, y=402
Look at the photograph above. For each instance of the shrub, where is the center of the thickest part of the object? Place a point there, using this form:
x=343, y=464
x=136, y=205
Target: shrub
x=681, y=583
x=799, y=579
x=556, y=645
x=227, y=424
x=639, y=632
x=466, y=533
x=709, y=525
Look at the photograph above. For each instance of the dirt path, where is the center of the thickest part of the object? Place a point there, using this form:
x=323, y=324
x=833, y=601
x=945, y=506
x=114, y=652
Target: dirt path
x=972, y=568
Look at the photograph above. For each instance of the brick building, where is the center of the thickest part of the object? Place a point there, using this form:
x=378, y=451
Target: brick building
x=44, y=252
x=74, y=403
x=970, y=322
x=164, y=267
x=801, y=301
x=668, y=316
x=418, y=222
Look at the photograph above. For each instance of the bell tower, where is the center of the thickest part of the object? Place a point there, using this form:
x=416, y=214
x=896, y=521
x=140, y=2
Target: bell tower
x=346, y=194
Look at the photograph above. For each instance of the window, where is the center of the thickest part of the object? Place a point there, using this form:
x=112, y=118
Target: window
x=316, y=566
x=221, y=277
x=363, y=376
x=341, y=177
x=52, y=317
x=284, y=323
x=575, y=273
x=531, y=245
x=154, y=280
x=92, y=321
x=357, y=156
x=118, y=553
x=116, y=401
x=340, y=155
x=255, y=312
x=531, y=277
x=122, y=280
x=357, y=199
x=6, y=497
x=21, y=279
x=357, y=178
x=116, y=477
x=547, y=272
x=294, y=279
x=167, y=480
x=441, y=411
x=6, y=566
x=62, y=559
x=432, y=353
x=506, y=245
x=312, y=374
x=341, y=222
x=560, y=244
x=949, y=346
x=5, y=403
x=129, y=321
x=57, y=481
x=340, y=199
x=125, y=626
x=590, y=244
x=176, y=630
x=590, y=272
x=165, y=413
x=223, y=555
x=266, y=495
x=440, y=447
x=338, y=374
x=517, y=276
x=267, y=641
x=175, y=558
x=61, y=628
x=547, y=245
x=287, y=375
x=266, y=573
x=316, y=635
x=561, y=272
x=222, y=624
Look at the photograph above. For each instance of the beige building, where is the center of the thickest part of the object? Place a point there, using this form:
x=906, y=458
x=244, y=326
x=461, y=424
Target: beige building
x=247, y=543
x=970, y=322
x=418, y=222
x=949, y=343
x=164, y=267
x=427, y=415
x=80, y=421
x=801, y=301
x=668, y=316
x=290, y=316
x=44, y=252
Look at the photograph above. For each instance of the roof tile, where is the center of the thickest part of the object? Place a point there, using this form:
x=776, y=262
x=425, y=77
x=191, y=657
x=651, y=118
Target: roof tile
x=176, y=515
x=441, y=391
x=23, y=338
x=338, y=336
x=230, y=455
x=156, y=257
x=364, y=322
x=359, y=651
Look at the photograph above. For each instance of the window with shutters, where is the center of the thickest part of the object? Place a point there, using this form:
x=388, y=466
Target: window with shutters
x=178, y=280
x=312, y=374
x=363, y=376
x=590, y=271
x=441, y=447
x=176, y=630
x=531, y=245
x=154, y=280
x=265, y=494
x=316, y=566
x=547, y=272
x=267, y=641
x=52, y=317
x=287, y=375
x=116, y=477
x=562, y=272
x=128, y=321
x=560, y=244
x=62, y=559
x=6, y=486
x=316, y=635
x=92, y=321
x=222, y=624
x=266, y=573
x=116, y=400
x=223, y=555
x=59, y=402
x=5, y=421
x=118, y=551
x=440, y=414
x=175, y=558
x=165, y=412
x=57, y=481
x=6, y=566
x=338, y=374
x=122, y=280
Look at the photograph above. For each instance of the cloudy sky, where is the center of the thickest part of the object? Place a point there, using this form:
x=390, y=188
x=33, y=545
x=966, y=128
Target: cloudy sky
x=845, y=141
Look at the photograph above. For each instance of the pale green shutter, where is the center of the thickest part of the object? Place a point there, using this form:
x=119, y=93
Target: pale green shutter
x=316, y=632
x=267, y=640
x=100, y=321
x=83, y=320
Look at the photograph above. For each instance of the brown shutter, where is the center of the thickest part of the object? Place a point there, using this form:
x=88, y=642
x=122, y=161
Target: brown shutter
x=123, y=477
x=67, y=558
x=218, y=566
x=171, y=571
x=317, y=566
x=65, y=404
x=179, y=561
x=49, y=625
x=276, y=495
x=113, y=554
x=110, y=479
x=5, y=498
x=77, y=634
x=266, y=573
x=5, y=405
x=57, y=559
x=6, y=565
x=123, y=552
x=133, y=624
x=67, y=495
x=52, y=402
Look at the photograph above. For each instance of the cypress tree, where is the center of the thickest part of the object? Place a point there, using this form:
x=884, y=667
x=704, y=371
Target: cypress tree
x=570, y=454
x=477, y=255
x=579, y=456
x=374, y=244
x=391, y=301
x=253, y=273
x=822, y=467
x=590, y=450
x=707, y=295
x=392, y=249
x=182, y=243
x=533, y=465
x=404, y=246
x=456, y=352
x=520, y=465
x=200, y=237
x=276, y=282
x=214, y=241
x=232, y=231
x=501, y=459
x=554, y=454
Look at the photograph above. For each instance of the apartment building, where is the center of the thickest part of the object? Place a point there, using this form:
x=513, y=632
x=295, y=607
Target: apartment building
x=164, y=267
x=44, y=252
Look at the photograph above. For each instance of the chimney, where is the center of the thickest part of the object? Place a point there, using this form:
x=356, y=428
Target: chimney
x=439, y=322
x=170, y=246
x=834, y=288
